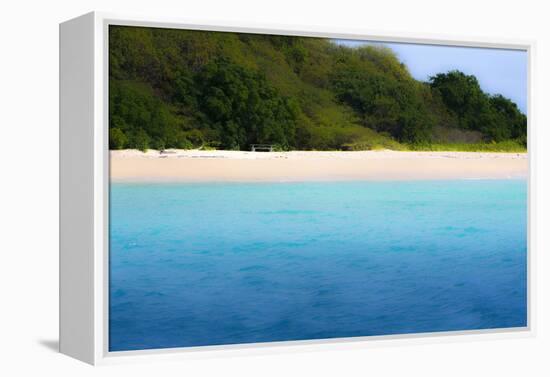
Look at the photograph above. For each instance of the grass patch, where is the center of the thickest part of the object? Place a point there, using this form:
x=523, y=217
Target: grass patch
x=508, y=146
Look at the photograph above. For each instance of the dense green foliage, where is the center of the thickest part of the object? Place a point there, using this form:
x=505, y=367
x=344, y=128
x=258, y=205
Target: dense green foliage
x=243, y=108
x=192, y=89
x=496, y=117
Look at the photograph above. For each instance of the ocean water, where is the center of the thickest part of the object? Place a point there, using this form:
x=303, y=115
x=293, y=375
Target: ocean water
x=225, y=263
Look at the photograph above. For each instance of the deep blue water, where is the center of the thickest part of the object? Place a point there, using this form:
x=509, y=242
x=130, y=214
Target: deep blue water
x=206, y=264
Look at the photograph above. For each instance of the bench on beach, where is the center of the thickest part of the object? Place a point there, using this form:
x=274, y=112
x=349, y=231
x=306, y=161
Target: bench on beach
x=261, y=147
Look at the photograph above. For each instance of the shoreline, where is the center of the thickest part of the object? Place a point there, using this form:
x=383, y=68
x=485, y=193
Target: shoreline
x=304, y=166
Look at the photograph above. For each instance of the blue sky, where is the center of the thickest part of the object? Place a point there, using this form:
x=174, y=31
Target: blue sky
x=498, y=71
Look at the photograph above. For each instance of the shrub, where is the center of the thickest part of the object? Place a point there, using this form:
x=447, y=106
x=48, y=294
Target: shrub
x=117, y=138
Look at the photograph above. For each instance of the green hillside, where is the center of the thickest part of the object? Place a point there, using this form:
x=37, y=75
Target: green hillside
x=197, y=89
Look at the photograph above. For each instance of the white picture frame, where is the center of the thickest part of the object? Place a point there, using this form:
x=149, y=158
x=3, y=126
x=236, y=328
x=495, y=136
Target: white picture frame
x=84, y=190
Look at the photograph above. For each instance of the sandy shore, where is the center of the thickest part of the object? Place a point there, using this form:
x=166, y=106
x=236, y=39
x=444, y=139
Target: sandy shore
x=235, y=166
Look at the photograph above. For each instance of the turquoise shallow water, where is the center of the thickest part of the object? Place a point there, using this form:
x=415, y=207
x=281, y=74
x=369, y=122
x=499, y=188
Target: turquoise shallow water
x=206, y=264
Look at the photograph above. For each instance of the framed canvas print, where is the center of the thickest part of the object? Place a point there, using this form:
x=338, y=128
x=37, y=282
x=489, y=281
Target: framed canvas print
x=234, y=189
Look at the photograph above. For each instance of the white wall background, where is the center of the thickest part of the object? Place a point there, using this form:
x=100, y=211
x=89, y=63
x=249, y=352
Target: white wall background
x=29, y=184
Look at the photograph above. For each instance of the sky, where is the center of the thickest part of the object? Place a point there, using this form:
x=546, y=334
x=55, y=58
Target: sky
x=498, y=71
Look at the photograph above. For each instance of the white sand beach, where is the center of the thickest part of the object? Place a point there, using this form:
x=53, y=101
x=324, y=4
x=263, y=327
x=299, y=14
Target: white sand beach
x=295, y=166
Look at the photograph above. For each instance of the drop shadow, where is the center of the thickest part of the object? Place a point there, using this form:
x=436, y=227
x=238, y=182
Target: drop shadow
x=52, y=345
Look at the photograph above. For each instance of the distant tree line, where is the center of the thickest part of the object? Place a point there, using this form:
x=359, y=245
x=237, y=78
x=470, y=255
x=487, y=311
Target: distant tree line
x=197, y=89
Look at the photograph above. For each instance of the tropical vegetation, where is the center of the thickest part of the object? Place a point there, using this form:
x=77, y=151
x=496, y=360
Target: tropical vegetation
x=199, y=89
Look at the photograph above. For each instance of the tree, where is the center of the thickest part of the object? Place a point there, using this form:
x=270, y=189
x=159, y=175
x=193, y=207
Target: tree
x=516, y=121
x=244, y=107
x=373, y=82
x=186, y=89
x=117, y=138
x=496, y=117
x=141, y=140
